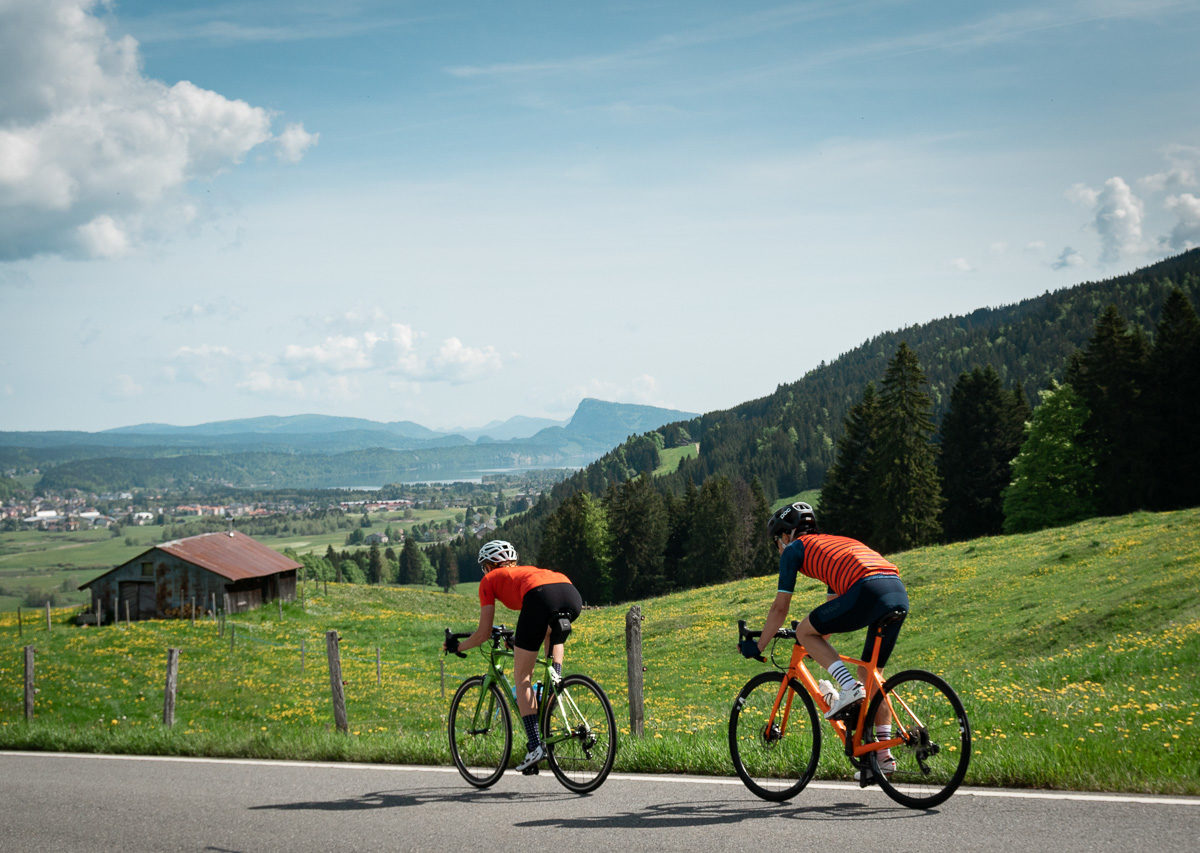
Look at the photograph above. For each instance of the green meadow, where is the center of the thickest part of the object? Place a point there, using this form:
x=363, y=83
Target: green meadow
x=1075, y=651
x=60, y=561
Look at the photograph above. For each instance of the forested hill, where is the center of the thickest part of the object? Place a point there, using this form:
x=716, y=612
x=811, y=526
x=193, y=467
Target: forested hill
x=787, y=440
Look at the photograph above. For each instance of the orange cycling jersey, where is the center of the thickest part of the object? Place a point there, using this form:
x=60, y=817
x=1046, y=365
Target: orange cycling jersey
x=510, y=583
x=837, y=561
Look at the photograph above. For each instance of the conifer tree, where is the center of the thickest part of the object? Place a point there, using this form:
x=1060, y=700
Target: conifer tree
x=1172, y=402
x=909, y=497
x=637, y=529
x=375, y=572
x=575, y=542
x=981, y=435
x=846, y=497
x=1108, y=375
x=1053, y=477
x=714, y=547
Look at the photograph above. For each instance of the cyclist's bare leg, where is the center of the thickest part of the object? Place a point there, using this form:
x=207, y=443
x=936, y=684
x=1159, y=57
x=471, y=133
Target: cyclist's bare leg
x=523, y=661
x=816, y=644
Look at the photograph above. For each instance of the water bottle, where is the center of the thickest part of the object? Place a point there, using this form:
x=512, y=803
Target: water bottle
x=828, y=693
x=537, y=693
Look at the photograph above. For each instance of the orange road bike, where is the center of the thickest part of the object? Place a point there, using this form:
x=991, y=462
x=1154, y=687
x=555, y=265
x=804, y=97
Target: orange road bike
x=775, y=729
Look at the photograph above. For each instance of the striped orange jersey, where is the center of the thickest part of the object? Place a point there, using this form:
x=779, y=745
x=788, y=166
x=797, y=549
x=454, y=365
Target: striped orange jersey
x=837, y=561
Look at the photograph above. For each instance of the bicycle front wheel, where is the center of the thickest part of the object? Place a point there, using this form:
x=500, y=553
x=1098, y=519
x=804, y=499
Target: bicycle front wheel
x=774, y=750
x=580, y=733
x=480, y=732
x=932, y=761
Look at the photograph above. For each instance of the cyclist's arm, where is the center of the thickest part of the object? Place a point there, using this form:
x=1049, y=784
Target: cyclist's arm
x=487, y=613
x=775, y=617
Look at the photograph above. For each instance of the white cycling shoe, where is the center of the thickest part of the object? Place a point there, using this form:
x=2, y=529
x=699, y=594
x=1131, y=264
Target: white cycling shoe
x=530, y=762
x=845, y=699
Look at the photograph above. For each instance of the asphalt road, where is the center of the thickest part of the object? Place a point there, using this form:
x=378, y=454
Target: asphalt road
x=64, y=802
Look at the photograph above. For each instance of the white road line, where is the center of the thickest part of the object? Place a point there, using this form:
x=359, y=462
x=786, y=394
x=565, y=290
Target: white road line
x=1006, y=793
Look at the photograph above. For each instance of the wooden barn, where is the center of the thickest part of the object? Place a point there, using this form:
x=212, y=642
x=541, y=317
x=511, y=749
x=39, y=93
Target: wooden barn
x=228, y=568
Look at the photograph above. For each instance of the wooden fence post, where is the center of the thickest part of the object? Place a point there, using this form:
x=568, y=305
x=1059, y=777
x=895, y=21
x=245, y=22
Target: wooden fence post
x=49, y=627
x=232, y=636
x=279, y=601
x=378, y=668
x=99, y=611
x=193, y=611
x=172, y=683
x=214, y=607
x=634, y=669
x=116, y=613
x=29, y=688
x=128, y=621
x=335, y=681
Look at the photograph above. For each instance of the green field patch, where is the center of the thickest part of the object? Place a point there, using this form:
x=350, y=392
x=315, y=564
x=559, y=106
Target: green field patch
x=1075, y=673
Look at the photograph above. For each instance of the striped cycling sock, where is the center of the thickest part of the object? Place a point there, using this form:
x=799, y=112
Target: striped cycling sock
x=838, y=670
x=558, y=669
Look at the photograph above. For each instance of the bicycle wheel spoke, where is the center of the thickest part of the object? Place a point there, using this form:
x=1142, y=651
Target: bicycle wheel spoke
x=580, y=733
x=933, y=760
x=480, y=732
x=775, y=756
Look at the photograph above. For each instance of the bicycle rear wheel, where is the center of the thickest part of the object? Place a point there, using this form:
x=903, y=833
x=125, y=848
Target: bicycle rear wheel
x=480, y=732
x=775, y=754
x=580, y=733
x=933, y=760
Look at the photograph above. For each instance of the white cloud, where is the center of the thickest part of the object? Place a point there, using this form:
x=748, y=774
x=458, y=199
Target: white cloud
x=1035, y=245
x=455, y=362
x=293, y=142
x=1184, y=161
x=1068, y=257
x=92, y=151
x=1117, y=217
x=960, y=265
x=1186, y=233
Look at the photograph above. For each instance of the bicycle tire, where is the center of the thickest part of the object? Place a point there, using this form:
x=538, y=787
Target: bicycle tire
x=582, y=761
x=480, y=752
x=931, y=717
x=774, y=763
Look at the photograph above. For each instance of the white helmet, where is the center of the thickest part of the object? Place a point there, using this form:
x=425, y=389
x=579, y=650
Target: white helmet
x=497, y=551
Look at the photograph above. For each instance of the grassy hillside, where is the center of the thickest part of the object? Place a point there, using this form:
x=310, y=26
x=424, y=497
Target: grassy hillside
x=1075, y=651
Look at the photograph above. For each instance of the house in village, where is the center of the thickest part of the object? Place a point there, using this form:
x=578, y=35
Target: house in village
x=228, y=568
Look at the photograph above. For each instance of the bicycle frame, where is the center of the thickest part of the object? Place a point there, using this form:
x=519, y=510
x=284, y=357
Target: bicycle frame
x=851, y=738
x=495, y=656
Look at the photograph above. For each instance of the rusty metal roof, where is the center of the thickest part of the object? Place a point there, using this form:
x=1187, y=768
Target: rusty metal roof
x=230, y=554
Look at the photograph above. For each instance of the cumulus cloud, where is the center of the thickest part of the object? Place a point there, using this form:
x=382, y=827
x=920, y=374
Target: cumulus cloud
x=1186, y=233
x=1180, y=174
x=960, y=265
x=455, y=362
x=1118, y=215
x=1068, y=257
x=94, y=154
x=293, y=142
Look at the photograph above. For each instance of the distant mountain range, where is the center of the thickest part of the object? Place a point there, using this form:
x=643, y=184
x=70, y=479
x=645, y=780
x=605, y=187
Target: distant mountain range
x=352, y=451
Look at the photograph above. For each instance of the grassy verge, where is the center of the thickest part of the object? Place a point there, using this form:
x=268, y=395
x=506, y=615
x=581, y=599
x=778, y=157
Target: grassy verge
x=1075, y=652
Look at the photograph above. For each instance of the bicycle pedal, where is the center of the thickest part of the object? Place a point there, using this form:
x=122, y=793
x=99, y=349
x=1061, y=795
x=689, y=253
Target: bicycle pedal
x=530, y=771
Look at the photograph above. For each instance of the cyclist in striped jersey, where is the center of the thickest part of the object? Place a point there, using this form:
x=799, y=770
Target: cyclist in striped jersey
x=861, y=587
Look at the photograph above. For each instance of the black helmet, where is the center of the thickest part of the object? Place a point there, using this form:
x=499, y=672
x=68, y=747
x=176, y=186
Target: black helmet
x=797, y=516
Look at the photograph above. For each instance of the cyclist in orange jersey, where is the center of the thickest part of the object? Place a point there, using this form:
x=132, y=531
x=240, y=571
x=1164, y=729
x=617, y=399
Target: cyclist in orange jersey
x=545, y=600
x=861, y=586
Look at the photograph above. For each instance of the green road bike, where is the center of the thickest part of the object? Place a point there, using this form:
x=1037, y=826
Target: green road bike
x=576, y=719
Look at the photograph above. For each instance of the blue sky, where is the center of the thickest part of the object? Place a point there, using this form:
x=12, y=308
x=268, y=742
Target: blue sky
x=459, y=212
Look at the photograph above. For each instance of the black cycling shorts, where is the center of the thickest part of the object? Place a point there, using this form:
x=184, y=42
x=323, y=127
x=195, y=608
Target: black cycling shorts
x=861, y=605
x=537, y=608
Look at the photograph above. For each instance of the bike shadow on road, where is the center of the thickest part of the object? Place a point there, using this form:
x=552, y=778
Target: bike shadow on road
x=402, y=799
x=692, y=814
